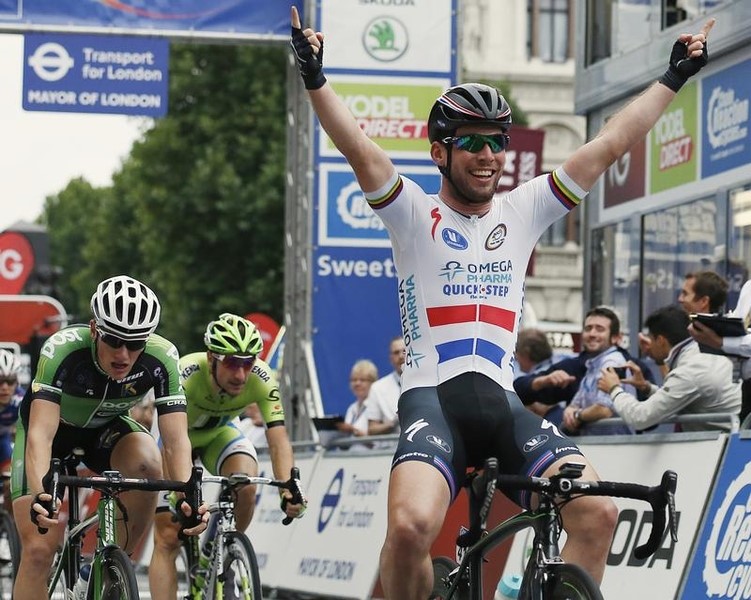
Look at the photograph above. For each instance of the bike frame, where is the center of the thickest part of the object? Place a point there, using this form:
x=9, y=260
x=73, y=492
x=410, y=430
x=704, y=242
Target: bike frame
x=546, y=549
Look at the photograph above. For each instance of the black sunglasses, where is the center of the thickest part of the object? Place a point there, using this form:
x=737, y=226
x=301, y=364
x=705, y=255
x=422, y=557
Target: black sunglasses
x=474, y=142
x=11, y=380
x=115, y=342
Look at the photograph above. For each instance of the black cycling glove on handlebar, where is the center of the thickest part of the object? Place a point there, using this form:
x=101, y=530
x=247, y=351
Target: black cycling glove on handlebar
x=186, y=522
x=309, y=63
x=681, y=67
x=48, y=505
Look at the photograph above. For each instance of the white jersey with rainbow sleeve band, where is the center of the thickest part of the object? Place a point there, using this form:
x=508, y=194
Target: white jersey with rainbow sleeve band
x=461, y=278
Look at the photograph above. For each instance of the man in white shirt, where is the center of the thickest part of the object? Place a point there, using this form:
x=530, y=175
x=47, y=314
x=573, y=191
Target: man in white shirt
x=383, y=398
x=696, y=382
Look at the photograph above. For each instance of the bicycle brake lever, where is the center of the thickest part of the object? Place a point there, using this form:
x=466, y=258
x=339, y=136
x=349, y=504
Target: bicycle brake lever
x=298, y=497
x=672, y=520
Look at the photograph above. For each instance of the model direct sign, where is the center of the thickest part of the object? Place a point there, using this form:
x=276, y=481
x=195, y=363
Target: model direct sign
x=96, y=74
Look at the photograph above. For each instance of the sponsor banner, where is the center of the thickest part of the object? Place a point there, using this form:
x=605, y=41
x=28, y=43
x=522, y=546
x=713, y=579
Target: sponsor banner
x=344, y=217
x=268, y=328
x=523, y=158
x=354, y=289
x=624, y=179
x=673, y=142
x=389, y=35
x=226, y=19
x=96, y=74
x=334, y=549
x=393, y=111
x=24, y=318
x=725, y=118
x=16, y=262
x=271, y=539
x=659, y=576
x=721, y=566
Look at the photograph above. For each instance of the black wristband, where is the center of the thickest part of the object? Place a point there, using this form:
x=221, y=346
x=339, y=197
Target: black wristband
x=672, y=79
x=610, y=391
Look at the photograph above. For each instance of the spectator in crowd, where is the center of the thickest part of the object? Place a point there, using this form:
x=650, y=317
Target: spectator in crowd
x=701, y=292
x=695, y=383
x=602, y=330
x=361, y=378
x=558, y=383
x=735, y=346
x=534, y=355
x=384, y=394
x=11, y=395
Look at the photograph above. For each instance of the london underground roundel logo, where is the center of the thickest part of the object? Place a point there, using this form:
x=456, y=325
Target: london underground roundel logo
x=330, y=500
x=385, y=39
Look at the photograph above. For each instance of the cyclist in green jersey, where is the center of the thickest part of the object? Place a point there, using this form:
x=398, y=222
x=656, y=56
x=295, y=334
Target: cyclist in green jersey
x=219, y=385
x=87, y=379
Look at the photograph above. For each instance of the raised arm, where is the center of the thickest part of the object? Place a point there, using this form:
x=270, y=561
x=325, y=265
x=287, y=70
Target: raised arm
x=632, y=123
x=371, y=164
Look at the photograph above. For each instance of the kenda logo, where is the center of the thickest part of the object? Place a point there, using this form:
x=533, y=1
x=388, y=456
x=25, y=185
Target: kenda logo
x=727, y=557
x=727, y=118
x=330, y=267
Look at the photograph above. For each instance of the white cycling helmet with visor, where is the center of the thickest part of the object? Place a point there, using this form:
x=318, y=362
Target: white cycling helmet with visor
x=10, y=364
x=126, y=308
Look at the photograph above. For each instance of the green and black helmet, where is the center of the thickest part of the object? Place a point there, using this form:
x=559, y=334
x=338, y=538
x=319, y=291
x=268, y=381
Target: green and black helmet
x=230, y=334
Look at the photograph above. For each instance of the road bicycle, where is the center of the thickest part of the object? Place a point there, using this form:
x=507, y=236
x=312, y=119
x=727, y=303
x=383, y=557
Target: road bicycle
x=546, y=576
x=10, y=545
x=112, y=575
x=224, y=565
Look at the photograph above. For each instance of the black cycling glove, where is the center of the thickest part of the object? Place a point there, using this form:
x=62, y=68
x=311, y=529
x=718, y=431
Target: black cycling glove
x=309, y=63
x=681, y=67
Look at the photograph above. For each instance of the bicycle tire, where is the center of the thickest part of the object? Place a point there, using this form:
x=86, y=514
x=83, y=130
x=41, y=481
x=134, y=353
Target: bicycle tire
x=242, y=580
x=118, y=576
x=558, y=582
x=442, y=566
x=10, y=554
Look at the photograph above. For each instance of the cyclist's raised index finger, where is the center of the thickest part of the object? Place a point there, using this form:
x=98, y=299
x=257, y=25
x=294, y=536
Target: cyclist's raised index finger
x=708, y=27
x=295, y=17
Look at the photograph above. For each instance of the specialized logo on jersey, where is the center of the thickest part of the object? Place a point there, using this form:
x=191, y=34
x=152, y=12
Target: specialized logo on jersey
x=436, y=214
x=414, y=428
x=535, y=442
x=451, y=269
x=496, y=238
x=439, y=443
x=453, y=239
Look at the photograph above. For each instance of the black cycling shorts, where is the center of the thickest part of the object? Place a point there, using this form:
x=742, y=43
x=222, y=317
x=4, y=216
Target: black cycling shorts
x=463, y=421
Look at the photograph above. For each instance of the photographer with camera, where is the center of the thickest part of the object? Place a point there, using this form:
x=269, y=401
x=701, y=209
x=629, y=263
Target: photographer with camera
x=696, y=382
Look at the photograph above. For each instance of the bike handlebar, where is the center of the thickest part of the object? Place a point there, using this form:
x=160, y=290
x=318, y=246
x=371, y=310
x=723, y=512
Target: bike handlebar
x=113, y=482
x=240, y=479
x=566, y=485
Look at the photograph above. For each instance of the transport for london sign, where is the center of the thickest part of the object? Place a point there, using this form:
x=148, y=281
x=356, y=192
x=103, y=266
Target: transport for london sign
x=96, y=74
x=225, y=19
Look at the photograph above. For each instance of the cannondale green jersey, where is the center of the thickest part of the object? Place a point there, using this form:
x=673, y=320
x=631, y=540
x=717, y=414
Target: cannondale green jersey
x=208, y=409
x=68, y=375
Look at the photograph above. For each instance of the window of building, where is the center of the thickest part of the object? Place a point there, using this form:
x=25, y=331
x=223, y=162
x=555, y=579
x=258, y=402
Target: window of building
x=677, y=241
x=739, y=241
x=599, y=21
x=550, y=24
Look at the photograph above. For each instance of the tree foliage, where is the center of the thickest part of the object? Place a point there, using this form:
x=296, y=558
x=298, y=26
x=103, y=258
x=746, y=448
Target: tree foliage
x=197, y=209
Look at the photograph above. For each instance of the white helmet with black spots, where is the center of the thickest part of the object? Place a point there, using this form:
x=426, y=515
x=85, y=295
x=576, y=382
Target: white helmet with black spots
x=10, y=364
x=126, y=308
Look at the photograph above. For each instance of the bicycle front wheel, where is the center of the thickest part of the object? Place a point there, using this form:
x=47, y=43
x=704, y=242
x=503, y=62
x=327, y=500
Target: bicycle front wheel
x=118, y=577
x=10, y=554
x=240, y=579
x=558, y=582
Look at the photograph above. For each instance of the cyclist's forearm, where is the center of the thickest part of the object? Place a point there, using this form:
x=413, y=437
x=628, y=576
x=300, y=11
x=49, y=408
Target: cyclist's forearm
x=280, y=451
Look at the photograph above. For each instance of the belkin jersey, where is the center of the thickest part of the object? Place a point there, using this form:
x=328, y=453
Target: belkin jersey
x=461, y=279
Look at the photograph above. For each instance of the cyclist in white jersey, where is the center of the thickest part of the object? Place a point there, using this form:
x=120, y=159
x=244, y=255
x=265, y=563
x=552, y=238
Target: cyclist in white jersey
x=461, y=256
